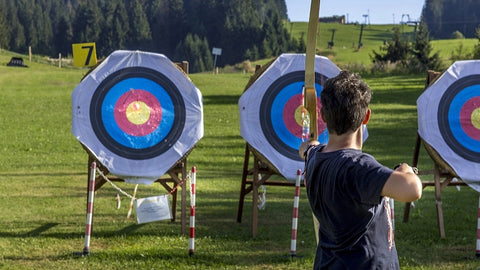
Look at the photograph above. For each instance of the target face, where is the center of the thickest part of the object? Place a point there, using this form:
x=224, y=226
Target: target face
x=280, y=113
x=137, y=114
x=459, y=117
x=449, y=119
x=133, y=113
x=270, y=110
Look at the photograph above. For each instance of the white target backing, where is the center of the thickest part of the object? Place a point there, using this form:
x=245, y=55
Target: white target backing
x=270, y=110
x=138, y=114
x=449, y=119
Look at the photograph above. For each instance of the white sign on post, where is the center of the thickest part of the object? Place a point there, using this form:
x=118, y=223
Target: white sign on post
x=216, y=51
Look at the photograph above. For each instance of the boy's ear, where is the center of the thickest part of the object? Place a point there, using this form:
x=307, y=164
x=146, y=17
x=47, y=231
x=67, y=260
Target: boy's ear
x=367, y=117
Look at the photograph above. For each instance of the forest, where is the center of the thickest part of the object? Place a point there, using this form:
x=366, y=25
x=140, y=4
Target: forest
x=444, y=17
x=180, y=29
x=184, y=29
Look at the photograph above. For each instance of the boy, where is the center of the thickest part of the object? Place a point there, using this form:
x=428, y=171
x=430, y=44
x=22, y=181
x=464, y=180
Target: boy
x=347, y=189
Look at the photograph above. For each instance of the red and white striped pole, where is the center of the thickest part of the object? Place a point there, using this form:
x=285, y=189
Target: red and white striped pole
x=91, y=195
x=392, y=212
x=293, y=245
x=477, y=253
x=191, y=243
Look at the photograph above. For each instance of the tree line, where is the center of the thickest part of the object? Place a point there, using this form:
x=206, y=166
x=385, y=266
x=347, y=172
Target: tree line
x=445, y=17
x=180, y=29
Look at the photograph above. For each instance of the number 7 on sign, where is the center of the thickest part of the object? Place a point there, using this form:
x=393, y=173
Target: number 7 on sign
x=84, y=54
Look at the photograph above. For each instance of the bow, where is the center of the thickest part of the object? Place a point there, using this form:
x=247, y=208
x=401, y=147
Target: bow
x=310, y=98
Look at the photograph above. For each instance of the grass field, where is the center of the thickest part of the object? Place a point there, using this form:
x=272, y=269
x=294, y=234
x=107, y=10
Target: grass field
x=43, y=184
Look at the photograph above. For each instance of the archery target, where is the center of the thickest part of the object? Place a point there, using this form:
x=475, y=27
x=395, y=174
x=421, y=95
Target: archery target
x=270, y=110
x=449, y=119
x=138, y=114
x=459, y=117
x=280, y=110
x=133, y=113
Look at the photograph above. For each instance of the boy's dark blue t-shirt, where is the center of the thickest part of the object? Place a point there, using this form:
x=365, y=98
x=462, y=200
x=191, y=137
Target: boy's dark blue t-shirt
x=344, y=190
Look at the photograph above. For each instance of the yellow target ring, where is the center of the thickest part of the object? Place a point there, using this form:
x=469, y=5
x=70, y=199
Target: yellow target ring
x=138, y=112
x=476, y=118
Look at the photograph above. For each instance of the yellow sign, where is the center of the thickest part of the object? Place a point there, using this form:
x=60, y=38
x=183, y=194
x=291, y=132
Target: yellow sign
x=84, y=54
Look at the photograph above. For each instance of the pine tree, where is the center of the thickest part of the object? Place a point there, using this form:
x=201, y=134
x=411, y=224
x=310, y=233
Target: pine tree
x=4, y=34
x=395, y=51
x=139, y=35
x=26, y=18
x=476, y=48
x=16, y=29
x=63, y=36
x=423, y=59
x=87, y=22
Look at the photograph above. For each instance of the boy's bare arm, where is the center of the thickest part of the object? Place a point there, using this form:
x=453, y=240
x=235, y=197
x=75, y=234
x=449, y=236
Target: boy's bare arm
x=403, y=185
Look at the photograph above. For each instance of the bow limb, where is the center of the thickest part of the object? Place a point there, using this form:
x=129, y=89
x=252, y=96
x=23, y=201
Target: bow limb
x=310, y=92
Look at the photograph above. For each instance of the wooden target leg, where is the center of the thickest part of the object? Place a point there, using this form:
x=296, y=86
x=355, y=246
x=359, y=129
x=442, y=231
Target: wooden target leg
x=174, y=204
x=438, y=201
x=406, y=212
x=243, y=190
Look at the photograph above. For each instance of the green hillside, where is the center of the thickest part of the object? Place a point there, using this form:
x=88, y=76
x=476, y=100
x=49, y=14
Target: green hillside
x=346, y=38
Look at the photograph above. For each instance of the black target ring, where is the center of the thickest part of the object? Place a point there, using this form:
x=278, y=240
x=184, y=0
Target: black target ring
x=266, y=121
x=448, y=109
x=142, y=153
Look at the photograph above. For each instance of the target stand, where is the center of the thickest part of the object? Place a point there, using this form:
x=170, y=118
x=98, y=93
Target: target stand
x=173, y=178
x=443, y=173
x=138, y=116
x=253, y=178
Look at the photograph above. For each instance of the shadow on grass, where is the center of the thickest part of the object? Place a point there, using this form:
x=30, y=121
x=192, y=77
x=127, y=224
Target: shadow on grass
x=220, y=99
x=41, y=174
x=211, y=259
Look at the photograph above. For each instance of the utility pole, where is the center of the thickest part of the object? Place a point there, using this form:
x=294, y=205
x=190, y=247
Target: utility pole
x=360, y=39
x=365, y=16
x=330, y=43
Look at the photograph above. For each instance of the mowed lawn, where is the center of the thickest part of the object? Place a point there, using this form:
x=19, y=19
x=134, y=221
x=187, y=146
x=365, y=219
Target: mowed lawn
x=43, y=184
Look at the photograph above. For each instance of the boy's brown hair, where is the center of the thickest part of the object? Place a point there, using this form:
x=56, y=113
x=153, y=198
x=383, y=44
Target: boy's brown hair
x=345, y=100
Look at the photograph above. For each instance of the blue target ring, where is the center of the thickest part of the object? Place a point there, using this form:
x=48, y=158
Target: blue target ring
x=131, y=141
x=277, y=117
x=125, y=143
x=455, y=128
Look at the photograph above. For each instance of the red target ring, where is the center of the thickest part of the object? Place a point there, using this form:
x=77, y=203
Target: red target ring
x=292, y=109
x=459, y=117
x=138, y=112
x=470, y=118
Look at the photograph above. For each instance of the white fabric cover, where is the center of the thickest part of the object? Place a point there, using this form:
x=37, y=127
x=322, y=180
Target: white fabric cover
x=428, y=127
x=250, y=101
x=137, y=171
